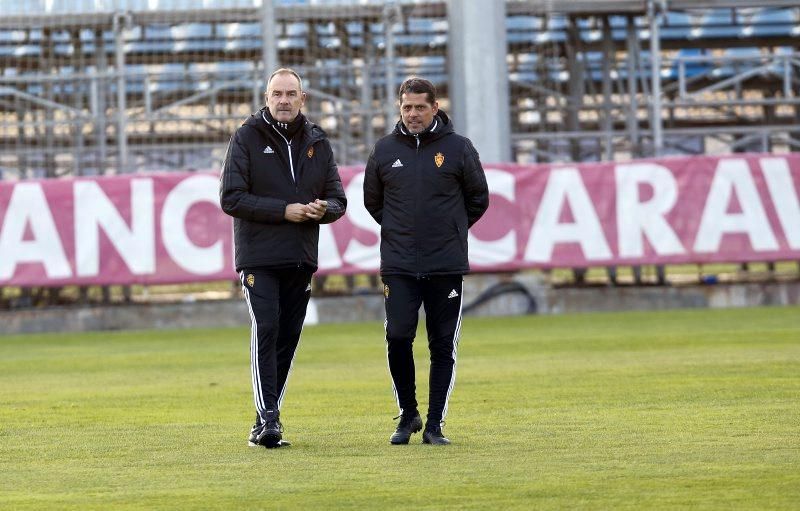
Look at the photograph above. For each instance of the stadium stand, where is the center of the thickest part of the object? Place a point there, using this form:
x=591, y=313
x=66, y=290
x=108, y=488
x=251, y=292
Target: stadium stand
x=93, y=87
x=190, y=71
x=90, y=87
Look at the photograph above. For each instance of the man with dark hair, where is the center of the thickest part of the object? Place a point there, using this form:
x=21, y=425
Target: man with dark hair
x=425, y=186
x=279, y=182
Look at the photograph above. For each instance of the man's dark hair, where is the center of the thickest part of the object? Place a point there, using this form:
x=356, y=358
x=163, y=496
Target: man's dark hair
x=416, y=85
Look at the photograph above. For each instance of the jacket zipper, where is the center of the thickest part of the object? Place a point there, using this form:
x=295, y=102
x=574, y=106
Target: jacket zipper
x=294, y=179
x=416, y=206
x=291, y=163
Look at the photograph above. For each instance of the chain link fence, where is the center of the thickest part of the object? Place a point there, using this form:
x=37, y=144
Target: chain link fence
x=104, y=87
x=97, y=87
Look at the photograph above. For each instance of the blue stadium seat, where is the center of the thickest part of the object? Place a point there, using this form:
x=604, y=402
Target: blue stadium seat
x=11, y=36
x=10, y=7
x=239, y=30
x=618, y=27
x=9, y=41
x=775, y=22
x=522, y=29
x=556, y=28
x=355, y=34
x=170, y=78
x=296, y=29
x=524, y=76
x=676, y=26
x=721, y=23
x=295, y=36
x=238, y=36
x=191, y=30
x=354, y=27
x=691, y=69
x=734, y=67
x=26, y=50
x=224, y=70
x=134, y=5
x=524, y=23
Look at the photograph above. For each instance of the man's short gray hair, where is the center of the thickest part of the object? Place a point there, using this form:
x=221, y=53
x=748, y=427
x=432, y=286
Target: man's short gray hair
x=285, y=71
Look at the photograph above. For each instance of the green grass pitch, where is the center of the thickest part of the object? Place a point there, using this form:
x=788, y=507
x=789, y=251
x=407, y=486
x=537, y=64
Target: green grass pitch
x=667, y=410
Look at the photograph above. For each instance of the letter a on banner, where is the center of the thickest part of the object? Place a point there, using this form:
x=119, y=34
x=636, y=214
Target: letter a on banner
x=734, y=175
x=28, y=207
x=565, y=186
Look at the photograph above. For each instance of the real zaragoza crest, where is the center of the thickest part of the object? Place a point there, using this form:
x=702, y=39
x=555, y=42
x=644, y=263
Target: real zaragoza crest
x=386, y=290
x=251, y=279
x=310, y=152
x=438, y=159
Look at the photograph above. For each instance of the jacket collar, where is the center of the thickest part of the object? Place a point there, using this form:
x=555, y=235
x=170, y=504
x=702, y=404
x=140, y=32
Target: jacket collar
x=311, y=133
x=440, y=126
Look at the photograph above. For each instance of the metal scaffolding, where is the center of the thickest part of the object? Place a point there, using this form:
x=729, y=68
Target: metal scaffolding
x=123, y=90
x=624, y=79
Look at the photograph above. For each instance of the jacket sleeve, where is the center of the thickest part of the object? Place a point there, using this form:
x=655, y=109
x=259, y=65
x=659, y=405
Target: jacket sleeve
x=476, y=191
x=334, y=192
x=234, y=189
x=373, y=189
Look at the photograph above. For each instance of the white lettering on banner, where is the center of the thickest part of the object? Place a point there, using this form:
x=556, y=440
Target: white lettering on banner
x=28, y=206
x=94, y=210
x=365, y=257
x=784, y=197
x=192, y=258
x=65, y=232
x=328, y=251
x=504, y=249
x=566, y=186
x=637, y=219
x=734, y=175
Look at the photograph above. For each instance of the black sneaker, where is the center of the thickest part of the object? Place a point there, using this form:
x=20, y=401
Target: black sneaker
x=270, y=434
x=433, y=435
x=409, y=424
x=258, y=430
x=267, y=432
x=254, y=432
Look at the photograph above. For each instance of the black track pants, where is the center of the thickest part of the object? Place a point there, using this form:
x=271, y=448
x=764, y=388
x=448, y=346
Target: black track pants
x=442, y=299
x=277, y=300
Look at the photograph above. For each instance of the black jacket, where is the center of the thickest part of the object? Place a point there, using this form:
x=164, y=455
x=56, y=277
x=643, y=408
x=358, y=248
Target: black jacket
x=257, y=184
x=425, y=191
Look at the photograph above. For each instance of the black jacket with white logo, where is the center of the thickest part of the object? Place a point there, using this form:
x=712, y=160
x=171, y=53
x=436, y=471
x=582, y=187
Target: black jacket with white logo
x=425, y=191
x=260, y=177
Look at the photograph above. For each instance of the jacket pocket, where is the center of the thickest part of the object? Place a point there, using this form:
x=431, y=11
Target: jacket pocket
x=462, y=238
